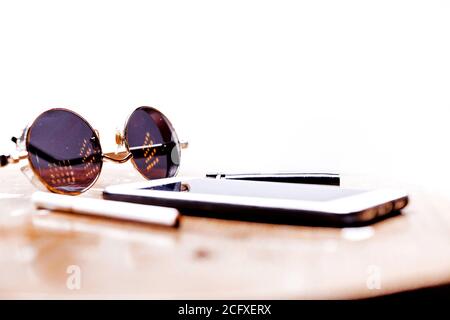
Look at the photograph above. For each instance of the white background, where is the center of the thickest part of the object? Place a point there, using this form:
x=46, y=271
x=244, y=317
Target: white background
x=360, y=87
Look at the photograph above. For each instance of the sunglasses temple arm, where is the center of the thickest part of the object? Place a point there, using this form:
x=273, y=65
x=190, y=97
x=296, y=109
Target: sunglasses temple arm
x=31, y=176
x=6, y=159
x=20, y=153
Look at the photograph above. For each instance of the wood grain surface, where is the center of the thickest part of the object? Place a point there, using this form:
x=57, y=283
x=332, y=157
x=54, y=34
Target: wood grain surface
x=210, y=258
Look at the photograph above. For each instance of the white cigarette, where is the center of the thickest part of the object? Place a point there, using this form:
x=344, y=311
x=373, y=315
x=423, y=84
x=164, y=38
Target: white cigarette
x=107, y=208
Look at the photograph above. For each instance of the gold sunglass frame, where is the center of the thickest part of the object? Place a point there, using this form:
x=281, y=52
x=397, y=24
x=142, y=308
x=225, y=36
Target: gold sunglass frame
x=117, y=157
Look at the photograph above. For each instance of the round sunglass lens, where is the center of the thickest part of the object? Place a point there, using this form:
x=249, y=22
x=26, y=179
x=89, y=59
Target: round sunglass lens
x=153, y=143
x=64, y=151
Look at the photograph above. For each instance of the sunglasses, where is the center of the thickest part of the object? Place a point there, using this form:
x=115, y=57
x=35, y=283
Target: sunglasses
x=65, y=154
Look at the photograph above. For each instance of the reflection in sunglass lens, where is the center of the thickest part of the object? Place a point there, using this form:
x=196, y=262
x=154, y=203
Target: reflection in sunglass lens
x=153, y=143
x=64, y=151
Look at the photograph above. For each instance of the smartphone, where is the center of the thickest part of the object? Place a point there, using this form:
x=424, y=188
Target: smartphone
x=273, y=202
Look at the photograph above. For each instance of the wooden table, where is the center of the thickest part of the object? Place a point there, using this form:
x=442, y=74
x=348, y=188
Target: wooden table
x=209, y=258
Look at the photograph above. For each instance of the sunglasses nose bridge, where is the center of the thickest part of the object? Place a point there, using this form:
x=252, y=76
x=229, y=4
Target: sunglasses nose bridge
x=118, y=157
